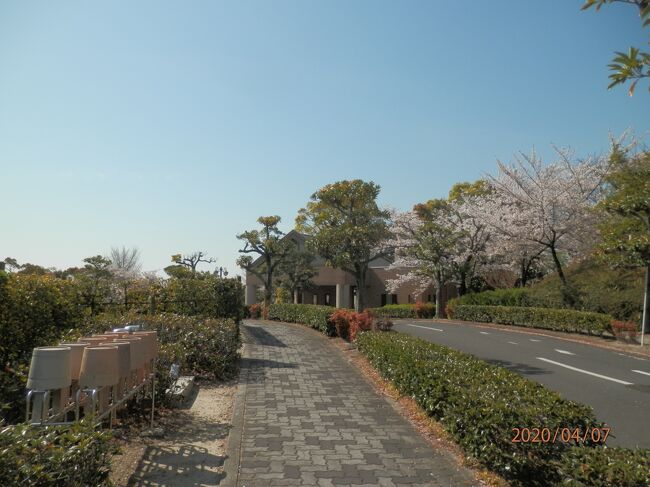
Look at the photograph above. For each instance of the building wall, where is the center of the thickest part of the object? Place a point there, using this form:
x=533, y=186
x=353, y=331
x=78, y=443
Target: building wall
x=327, y=279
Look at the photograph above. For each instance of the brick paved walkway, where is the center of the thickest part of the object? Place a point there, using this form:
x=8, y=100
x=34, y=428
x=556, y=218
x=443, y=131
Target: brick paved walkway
x=309, y=418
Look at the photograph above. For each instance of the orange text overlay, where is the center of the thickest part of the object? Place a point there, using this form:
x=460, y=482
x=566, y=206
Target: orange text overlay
x=563, y=435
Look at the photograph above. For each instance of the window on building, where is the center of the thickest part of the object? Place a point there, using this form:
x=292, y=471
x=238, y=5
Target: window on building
x=410, y=299
x=428, y=298
x=314, y=299
x=394, y=300
x=327, y=299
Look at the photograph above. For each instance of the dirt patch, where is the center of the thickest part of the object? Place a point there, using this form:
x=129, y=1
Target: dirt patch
x=187, y=447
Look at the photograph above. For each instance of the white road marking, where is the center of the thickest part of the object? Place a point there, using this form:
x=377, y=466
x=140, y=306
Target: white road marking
x=513, y=343
x=641, y=372
x=425, y=327
x=565, y=352
x=585, y=371
x=534, y=340
x=483, y=332
x=632, y=356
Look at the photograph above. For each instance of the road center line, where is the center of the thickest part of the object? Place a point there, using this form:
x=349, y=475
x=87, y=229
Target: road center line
x=483, y=332
x=513, y=343
x=565, y=352
x=585, y=371
x=425, y=327
x=534, y=340
x=641, y=372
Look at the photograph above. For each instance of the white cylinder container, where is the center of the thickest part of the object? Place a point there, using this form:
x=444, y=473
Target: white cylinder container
x=99, y=367
x=151, y=339
x=49, y=369
x=124, y=354
x=76, y=355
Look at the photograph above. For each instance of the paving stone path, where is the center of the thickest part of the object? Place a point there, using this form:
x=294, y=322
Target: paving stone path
x=310, y=418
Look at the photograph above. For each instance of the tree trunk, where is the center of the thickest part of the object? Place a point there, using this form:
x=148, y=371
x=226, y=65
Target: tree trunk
x=645, y=321
x=569, y=296
x=523, y=273
x=462, y=290
x=439, y=311
x=438, y=283
x=361, y=289
x=558, y=265
x=268, y=285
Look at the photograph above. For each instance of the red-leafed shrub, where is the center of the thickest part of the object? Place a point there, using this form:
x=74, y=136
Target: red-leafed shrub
x=254, y=311
x=424, y=310
x=625, y=329
x=341, y=319
x=360, y=322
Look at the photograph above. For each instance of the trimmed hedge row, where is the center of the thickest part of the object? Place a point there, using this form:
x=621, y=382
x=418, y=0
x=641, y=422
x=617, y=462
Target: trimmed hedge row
x=551, y=319
x=419, y=310
x=604, y=467
x=313, y=315
x=479, y=404
x=72, y=455
x=499, y=297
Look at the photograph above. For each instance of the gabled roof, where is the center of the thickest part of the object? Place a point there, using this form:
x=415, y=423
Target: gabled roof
x=301, y=238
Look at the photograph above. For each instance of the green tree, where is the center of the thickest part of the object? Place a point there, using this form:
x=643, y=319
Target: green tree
x=11, y=264
x=296, y=271
x=271, y=249
x=33, y=269
x=347, y=228
x=430, y=244
x=625, y=228
x=94, y=280
x=191, y=261
x=633, y=65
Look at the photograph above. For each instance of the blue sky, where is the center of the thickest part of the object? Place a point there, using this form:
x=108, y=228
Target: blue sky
x=171, y=126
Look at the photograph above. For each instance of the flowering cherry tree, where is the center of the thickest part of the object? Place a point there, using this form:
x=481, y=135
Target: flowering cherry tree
x=474, y=234
x=546, y=206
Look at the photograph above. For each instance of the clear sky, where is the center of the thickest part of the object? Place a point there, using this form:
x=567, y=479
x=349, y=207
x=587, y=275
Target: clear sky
x=171, y=126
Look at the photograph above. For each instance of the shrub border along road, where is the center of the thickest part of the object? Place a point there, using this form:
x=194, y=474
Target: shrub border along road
x=478, y=404
x=416, y=311
x=563, y=320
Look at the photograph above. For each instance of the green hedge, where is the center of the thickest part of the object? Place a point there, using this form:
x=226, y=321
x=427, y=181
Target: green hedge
x=604, y=467
x=478, y=404
x=427, y=310
x=74, y=455
x=551, y=319
x=499, y=297
x=206, y=296
x=313, y=315
x=34, y=311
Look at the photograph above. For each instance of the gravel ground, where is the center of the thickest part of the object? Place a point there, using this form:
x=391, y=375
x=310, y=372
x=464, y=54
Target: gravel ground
x=191, y=450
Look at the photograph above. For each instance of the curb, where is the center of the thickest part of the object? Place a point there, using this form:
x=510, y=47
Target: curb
x=233, y=449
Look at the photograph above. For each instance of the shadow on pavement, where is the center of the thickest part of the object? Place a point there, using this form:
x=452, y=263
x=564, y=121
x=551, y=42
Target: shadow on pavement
x=259, y=336
x=253, y=369
x=522, y=369
x=184, y=466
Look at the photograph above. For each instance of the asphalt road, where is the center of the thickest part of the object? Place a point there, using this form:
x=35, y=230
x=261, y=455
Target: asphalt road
x=615, y=385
